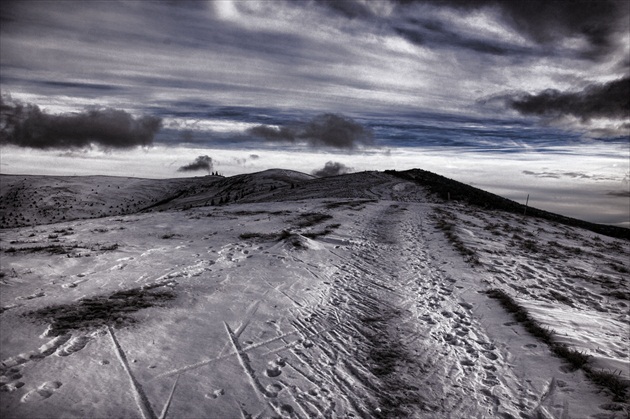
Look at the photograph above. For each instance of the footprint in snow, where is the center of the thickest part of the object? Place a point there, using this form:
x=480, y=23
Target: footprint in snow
x=73, y=345
x=30, y=297
x=286, y=410
x=42, y=392
x=215, y=394
x=10, y=381
x=273, y=390
x=491, y=382
x=491, y=356
x=467, y=362
x=275, y=367
x=12, y=386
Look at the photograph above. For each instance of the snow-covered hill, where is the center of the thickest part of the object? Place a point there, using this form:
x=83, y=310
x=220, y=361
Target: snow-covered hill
x=35, y=200
x=277, y=294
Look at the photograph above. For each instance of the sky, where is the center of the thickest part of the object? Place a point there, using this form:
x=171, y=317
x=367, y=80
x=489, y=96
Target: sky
x=520, y=98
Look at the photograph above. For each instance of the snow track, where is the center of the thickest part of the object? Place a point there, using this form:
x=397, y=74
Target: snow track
x=410, y=334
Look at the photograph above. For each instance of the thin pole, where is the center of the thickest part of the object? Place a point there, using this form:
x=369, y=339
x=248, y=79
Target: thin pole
x=526, y=203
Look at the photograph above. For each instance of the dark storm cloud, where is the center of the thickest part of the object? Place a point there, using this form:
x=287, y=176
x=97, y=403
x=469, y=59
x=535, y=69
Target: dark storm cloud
x=200, y=163
x=549, y=21
x=332, y=169
x=545, y=20
x=29, y=126
x=337, y=131
x=610, y=100
x=542, y=21
x=326, y=130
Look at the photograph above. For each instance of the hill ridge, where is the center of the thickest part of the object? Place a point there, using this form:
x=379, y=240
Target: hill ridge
x=33, y=200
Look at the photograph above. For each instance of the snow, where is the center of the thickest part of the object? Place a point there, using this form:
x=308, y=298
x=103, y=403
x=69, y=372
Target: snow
x=264, y=307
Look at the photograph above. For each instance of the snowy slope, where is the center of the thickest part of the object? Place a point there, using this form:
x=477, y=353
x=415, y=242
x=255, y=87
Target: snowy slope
x=354, y=296
x=35, y=200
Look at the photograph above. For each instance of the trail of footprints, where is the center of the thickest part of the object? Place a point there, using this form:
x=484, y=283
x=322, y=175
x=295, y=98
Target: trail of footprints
x=11, y=377
x=42, y=392
x=435, y=305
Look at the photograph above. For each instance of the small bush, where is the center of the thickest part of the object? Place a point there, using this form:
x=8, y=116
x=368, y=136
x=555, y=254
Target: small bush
x=309, y=219
x=108, y=247
x=577, y=359
x=53, y=249
x=613, y=382
x=315, y=234
x=247, y=236
x=94, y=312
x=349, y=204
x=284, y=234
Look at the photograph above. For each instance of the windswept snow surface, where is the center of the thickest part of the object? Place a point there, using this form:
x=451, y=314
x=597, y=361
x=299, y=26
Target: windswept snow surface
x=333, y=298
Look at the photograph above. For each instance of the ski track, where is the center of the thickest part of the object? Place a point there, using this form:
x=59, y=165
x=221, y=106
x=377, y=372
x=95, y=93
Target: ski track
x=395, y=304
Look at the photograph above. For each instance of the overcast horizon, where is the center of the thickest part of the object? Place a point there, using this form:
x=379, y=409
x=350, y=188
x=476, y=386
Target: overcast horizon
x=514, y=97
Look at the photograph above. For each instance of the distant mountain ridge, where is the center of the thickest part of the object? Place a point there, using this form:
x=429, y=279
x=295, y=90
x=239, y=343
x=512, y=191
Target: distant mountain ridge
x=35, y=200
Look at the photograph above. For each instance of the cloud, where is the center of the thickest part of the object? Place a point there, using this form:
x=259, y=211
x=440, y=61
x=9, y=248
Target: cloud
x=435, y=35
x=573, y=175
x=335, y=131
x=325, y=130
x=348, y=8
x=200, y=163
x=609, y=100
x=542, y=174
x=355, y=57
x=29, y=126
x=622, y=194
x=546, y=23
x=332, y=169
x=274, y=134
